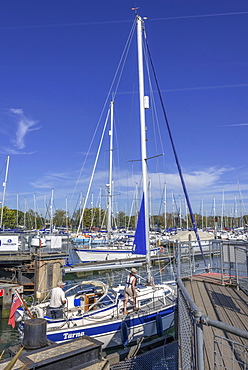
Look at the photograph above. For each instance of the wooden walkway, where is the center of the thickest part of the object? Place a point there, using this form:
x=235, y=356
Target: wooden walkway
x=222, y=303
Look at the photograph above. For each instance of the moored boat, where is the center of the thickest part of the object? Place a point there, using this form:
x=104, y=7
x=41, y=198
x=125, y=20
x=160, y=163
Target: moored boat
x=97, y=310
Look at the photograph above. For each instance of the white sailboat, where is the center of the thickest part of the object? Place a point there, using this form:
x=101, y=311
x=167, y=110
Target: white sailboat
x=96, y=309
x=113, y=246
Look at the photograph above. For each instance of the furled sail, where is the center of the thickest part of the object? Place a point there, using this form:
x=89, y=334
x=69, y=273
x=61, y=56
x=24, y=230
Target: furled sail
x=139, y=244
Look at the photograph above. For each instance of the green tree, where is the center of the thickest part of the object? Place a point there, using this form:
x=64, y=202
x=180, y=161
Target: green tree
x=59, y=218
x=9, y=218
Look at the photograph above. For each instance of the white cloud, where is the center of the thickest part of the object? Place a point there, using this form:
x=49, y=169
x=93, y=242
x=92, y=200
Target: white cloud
x=237, y=124
x=206, y=183
x=24, y=125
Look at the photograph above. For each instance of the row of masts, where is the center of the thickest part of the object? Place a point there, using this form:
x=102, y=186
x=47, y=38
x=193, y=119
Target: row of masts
x=176, y=210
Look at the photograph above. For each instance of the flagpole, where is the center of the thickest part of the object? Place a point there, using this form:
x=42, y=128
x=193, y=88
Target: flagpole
x=25, y=305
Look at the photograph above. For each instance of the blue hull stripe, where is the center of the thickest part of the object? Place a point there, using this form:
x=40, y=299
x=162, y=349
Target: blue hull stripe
x=94, y=330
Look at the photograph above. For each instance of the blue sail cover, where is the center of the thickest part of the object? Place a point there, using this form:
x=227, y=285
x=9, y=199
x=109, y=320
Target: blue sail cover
x=139, y=244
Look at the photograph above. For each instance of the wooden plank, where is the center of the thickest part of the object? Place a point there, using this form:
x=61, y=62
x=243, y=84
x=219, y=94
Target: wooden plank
x=228, y=312
x=220, y=303
x=199, y=295
x=229, y=306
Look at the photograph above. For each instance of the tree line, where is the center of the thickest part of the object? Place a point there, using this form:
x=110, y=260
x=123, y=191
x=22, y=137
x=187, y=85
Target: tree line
x=95, y=218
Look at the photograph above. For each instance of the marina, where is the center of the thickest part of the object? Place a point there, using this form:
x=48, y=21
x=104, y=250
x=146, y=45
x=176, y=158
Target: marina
x=221, y=300
x=101, y=290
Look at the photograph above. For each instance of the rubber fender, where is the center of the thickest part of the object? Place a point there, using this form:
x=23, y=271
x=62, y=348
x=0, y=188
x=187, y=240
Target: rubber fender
x=37, y=312
x=159, y=325
x=18, y=316
x=124, y=333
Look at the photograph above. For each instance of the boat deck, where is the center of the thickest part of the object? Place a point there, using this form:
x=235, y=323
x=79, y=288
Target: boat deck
x=222, y=303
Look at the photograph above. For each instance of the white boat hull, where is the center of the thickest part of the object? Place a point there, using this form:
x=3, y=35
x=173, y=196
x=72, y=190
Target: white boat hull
x=111, y=334
x=106, y=254
x=98, y=312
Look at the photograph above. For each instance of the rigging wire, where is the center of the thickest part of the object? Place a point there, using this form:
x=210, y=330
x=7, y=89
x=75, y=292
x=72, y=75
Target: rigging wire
x=175, y=155
x=155, y=120
x=111, y=89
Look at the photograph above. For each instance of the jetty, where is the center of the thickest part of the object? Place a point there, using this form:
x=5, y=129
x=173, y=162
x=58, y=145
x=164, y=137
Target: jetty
x=35, y=263
x=212, y=312
x=81, y=353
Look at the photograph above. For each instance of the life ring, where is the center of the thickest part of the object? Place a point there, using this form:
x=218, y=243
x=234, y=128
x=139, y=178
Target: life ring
x=37, y=312
x=161, y=249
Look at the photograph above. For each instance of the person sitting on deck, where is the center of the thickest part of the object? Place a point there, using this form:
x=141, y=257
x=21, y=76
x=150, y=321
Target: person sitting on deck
x=130, y=290
x=57, y=301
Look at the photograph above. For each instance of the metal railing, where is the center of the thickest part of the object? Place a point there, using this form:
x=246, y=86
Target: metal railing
x=228, y=258
x=228, y=354
x=227, y=350
x=234, y=264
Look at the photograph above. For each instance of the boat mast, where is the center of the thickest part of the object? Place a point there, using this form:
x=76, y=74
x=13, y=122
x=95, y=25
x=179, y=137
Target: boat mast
x=222, y=210
x=110, y=170
x=17, y=209
x=51, y=212
x=35, y=219
x=143, y=141
x=66, y=214
x=165, y=207
x=4, y=190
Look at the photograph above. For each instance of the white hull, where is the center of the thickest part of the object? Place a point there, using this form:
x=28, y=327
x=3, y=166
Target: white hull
x=111, y=334
x=108, y=254
x=98, y=313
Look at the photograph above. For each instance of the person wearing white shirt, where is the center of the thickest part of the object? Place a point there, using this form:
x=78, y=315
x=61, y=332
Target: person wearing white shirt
x=57, y=301
x=130, y=290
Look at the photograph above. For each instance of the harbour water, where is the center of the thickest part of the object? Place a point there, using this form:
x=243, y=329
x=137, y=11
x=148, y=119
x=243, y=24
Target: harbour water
x=8, y=337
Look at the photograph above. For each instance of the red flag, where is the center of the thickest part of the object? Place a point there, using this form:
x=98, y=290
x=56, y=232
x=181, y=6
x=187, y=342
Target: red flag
x=17, y=302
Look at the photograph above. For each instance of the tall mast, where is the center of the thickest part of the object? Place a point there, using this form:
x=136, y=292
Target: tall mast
x=241, y=207
x=17, y=210
x=100, y=206
x=66, y=214
x=45, y=209
x=25, y=211
x=180, y=212
x=143, y=141
x=222, y=210
x=51, y=212
x=109, y=226
x=186, y=212
x=35, y=219
x=4, y=190
x=165, y=207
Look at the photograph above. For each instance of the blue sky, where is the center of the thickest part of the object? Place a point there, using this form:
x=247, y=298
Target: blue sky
x=58, y=59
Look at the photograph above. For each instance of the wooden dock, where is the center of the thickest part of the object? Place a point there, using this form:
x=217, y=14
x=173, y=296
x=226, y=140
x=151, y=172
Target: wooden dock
x=223, y=303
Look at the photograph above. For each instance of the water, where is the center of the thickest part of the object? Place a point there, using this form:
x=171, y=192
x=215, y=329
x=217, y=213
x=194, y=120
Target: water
x=8, y=337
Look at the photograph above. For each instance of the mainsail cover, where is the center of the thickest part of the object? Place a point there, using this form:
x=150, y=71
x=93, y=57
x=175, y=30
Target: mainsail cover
x=139, y=244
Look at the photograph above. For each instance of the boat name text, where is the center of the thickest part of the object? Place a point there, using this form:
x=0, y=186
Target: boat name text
x=73, y=335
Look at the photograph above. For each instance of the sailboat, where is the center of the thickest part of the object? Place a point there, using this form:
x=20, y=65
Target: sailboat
x=94, y=308
x=113, y=246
